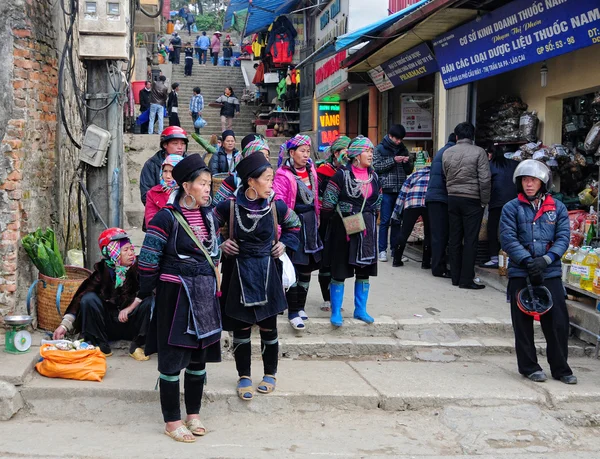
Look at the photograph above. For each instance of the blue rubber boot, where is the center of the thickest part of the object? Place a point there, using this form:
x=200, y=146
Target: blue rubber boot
x=361, y=295
x=337, y=298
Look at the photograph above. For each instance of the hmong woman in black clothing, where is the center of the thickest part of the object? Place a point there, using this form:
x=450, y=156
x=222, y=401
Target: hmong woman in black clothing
x=253, y=288
x=354, y=189
x=178, y=260
x=335, y=160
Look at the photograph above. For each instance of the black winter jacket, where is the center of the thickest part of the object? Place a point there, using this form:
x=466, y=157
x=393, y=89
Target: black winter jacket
x=218, y=162
x=503, y=188
x=144, y=100
x=436, y=190
x=231, y=105
x=102, y=283
x=391, y=174
x=282, y=26
x=173, y=101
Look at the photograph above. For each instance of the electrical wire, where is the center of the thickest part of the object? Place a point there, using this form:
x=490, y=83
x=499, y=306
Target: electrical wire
x=67, y=51
x=80, y=215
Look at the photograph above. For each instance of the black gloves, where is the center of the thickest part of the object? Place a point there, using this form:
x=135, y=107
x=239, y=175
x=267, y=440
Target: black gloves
x=535, y=269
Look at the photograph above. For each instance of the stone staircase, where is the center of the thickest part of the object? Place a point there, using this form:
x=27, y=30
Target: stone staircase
x=212, y=81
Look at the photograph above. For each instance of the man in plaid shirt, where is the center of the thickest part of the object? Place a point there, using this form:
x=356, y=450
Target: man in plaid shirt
x=411, y=205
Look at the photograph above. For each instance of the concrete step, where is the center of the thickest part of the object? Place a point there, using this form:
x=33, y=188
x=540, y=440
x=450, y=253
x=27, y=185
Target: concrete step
x=361, y=348
x=128, y=393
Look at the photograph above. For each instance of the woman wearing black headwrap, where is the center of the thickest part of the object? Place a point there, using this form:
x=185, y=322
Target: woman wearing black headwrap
x=253, y=290
x=178, y=259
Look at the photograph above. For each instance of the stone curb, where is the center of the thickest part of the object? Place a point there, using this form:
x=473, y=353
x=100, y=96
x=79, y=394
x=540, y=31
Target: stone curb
x=390, y=386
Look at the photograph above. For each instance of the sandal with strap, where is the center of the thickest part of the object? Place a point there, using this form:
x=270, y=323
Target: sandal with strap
x=196, y=427
x=244, y=388
x=267, y=385
x=180, y=433
x=296, y=322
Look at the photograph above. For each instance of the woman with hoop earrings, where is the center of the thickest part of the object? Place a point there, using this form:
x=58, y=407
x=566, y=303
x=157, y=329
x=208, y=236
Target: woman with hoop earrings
x=254, y=290
x=179, y=259
x=297, y=185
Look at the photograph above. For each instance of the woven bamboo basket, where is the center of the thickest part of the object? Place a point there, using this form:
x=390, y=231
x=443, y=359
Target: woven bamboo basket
x=217, y=179
x=54, y=295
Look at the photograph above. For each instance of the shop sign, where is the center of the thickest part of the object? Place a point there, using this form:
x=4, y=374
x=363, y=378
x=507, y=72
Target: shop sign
x=414, y=63
x=328, y=125
x=330, y=14
x=329, y=75
x=298, y=23
x=332, y=22
x=416, y=114
x=518, y=34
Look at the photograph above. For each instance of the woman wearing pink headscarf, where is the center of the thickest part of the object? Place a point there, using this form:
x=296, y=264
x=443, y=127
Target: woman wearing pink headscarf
x=354, y=189
x=296, y=184
x=159, y=195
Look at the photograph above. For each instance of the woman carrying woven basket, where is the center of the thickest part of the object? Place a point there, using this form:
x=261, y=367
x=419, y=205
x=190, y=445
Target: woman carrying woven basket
x=178, y=259
x=255, y=295
x=105, y=306
x=296, y=184
x=350, y=205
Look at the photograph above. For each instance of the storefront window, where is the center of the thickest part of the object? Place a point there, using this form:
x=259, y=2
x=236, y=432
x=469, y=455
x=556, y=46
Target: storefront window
x=579, y=115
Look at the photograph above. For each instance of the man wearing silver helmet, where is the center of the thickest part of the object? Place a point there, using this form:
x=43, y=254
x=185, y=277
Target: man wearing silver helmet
x=534, y=231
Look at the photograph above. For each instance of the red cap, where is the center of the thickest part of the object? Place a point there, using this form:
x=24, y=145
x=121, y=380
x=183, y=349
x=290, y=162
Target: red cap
x=111, y=234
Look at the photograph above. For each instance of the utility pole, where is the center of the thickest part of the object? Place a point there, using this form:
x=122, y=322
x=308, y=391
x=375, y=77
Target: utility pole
x=104, y=183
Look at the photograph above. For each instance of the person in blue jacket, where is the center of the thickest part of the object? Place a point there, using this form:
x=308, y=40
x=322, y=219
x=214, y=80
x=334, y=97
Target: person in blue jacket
x=535, y=232
x=502, y=170
x=436, y=201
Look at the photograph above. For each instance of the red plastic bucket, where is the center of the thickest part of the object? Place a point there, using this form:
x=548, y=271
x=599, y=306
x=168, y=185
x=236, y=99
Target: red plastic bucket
x=136, y=87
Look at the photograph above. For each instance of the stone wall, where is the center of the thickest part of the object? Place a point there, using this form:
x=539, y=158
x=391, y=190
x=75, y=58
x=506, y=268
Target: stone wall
x=35, y=164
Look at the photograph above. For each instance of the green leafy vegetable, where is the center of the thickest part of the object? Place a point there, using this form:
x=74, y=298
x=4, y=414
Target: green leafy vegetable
x=42, y=249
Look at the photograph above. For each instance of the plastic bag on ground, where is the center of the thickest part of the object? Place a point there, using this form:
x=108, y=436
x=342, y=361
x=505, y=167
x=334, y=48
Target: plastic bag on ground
x=82, y=365
x=75, y=258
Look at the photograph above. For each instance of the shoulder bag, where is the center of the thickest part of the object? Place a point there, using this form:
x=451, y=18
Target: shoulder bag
x=354, y=223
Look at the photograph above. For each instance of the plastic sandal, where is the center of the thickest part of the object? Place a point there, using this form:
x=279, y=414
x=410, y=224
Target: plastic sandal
x=245, y=391
x=302, y=314
x=196, y=427
x=267, y=385
x=297, y=323
x=326, y=306
x=180, y=433
x=139, y=355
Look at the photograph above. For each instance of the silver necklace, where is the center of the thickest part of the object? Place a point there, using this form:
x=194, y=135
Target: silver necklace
x=355, y=187
x=307, y=195
x=211, y=240
x=255, y=216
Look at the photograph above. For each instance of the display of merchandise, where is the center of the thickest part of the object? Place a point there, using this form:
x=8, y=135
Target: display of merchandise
x=596, y=283
x=567, y=259
x=500, y=121
x=503, y=263
x=577, y=268
x=590, y=263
